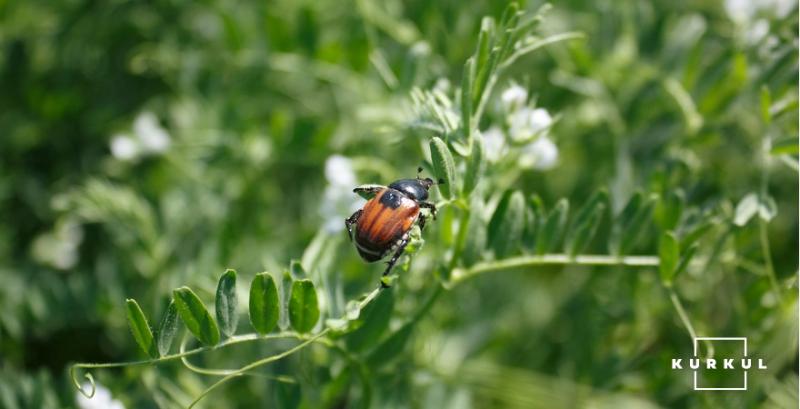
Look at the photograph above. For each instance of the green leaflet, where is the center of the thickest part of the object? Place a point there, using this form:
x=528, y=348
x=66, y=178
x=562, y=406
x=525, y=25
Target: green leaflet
x=629, y=224
x=226, y=303
x=195, y=316
x=264, y=303
x=467, y=80
x=475, y=240
x=167, y=328
x=507, y=224
x=140, y=328
x=686, y=257
x=474, y=165
x=586, y=222
x=551, y=229
x=303, y=307
x=443, y=166
x=668, y=210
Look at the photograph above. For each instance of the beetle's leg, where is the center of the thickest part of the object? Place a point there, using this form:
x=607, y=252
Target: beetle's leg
x=421, y=221
x=368, y=192
x=390, y=264
x=350, y=221
x=429, y=206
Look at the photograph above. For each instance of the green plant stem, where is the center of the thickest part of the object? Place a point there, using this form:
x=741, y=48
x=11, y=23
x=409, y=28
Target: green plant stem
x=256, y=364
x=463, y=227
x=762, y=224
x=459, y=275
x=764, y=238
x=230, y=341
x=676, y=302
x=223, y=372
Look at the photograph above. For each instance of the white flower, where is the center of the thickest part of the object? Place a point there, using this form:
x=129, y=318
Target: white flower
x=339, y=171
x=514, y=97
x=338, y=200
x=102, y=399
x=757, y=31
x=542, y=154
x=540, y=120
x=59, y=247
x=494, y=144
x=740, y=10
x=442, y=84
x=123, y=147
x=743, y=11
x=152, y=137
x=526, y=123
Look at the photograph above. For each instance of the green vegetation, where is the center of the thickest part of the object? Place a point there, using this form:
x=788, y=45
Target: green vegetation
x=620, y=177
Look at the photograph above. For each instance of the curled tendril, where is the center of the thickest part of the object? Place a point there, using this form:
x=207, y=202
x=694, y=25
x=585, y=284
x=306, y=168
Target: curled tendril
x=227, y=373
x=77, y=384
x=224, y=372
x=256, y=364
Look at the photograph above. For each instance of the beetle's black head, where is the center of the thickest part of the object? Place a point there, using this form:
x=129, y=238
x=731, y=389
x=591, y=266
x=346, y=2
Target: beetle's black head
x=416, y=189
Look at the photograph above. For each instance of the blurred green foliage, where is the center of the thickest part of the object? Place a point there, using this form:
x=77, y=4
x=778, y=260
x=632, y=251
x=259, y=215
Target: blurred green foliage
x=145, y=146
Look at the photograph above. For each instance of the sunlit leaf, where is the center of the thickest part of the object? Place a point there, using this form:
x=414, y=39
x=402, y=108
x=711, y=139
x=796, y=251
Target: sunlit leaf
x=767, y=209
x=467, y=79
x=746, y=209
x=786, y=145
x=167, y=328
x=226, y=303
x=367, y=191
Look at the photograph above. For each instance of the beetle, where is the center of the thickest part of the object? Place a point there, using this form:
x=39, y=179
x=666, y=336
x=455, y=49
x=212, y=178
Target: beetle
x=384, y=223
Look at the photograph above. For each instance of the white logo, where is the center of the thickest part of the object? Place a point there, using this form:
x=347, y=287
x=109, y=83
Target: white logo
x=697, y=364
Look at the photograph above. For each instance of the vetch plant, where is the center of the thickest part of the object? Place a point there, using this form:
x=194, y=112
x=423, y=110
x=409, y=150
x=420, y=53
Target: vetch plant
x=487, y=225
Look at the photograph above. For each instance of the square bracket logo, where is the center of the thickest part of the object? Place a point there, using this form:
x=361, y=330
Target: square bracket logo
x=695, y=342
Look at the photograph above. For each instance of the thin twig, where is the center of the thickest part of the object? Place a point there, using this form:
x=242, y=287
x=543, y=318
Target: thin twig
x=552, y=259
x=256, y=364
x=676, y=302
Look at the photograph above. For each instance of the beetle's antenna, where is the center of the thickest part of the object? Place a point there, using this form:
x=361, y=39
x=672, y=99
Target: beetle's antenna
x=440, y=181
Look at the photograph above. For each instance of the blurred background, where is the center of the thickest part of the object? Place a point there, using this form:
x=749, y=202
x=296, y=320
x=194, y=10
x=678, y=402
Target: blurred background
x=149, y=145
